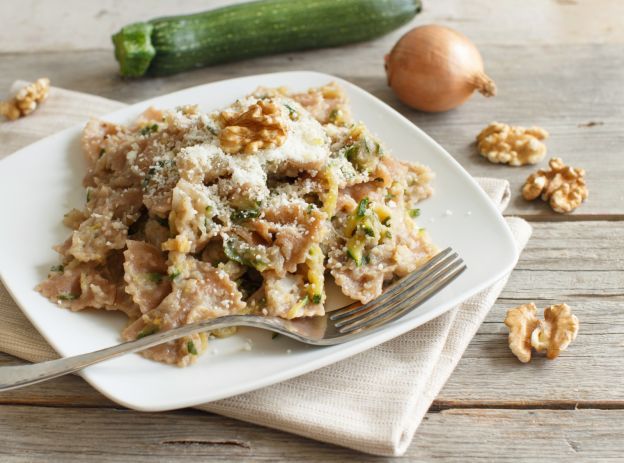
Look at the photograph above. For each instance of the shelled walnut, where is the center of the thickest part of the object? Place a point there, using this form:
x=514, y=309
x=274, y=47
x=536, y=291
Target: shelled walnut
x=521, y=322
x=553, y=334
x=517, y=146
x=556, y=332
x=259, y=127
x=26, y=100
x=562, y=186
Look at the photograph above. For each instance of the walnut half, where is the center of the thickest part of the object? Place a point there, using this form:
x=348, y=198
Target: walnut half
x=553, y=334
x=562, y=186
x=556, y=332
x=516, y=146
x=521, y=322
x=26, y=99
x=259, y=127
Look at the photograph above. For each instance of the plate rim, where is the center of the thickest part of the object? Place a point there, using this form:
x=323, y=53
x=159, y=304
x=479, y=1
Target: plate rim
x=375, y=339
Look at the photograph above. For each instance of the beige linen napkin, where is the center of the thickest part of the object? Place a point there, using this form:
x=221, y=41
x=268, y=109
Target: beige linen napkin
x=372, y=402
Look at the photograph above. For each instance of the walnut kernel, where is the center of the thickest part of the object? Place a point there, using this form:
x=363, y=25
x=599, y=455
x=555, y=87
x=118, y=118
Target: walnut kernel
x=562, y=186
x=259, y=127
x=505, y=144
x=521, y=322
x=26, y=99
x=556, y=332
x=553, y=334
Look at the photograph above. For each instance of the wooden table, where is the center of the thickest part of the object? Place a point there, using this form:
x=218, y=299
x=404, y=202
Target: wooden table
x=559, y=64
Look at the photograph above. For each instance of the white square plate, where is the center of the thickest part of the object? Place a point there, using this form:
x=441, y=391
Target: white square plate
x=41, y=182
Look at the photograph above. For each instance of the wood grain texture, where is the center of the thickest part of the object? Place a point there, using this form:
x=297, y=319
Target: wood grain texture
x=50, y=25
x=96, y=435
x=558, y=64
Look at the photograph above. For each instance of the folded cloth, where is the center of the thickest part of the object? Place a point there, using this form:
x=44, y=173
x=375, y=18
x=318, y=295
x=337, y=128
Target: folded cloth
x=372, y=402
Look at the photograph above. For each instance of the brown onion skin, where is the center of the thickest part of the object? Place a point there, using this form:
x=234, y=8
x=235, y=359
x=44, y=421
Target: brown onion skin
x=433, y=68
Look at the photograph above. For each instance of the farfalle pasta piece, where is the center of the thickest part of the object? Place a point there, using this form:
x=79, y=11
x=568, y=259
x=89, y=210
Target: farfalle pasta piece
x=327, y=104
x=295, y=228
x=202, y=292
x=78, y=285
x=286, y=297
x=96, y=237
x=145, y=274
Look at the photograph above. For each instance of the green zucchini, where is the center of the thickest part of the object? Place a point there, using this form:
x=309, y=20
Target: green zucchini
x=178, y=43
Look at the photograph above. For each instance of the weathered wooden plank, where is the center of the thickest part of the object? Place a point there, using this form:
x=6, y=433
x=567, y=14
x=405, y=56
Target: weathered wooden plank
x=588, y=374
x=66, y=391
x=93, y=435
x=561, y=95
x=581, y=264
x=44, y=25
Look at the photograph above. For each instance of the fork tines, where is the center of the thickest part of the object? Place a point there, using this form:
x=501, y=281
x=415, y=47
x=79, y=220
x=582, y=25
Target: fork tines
x=403, y=296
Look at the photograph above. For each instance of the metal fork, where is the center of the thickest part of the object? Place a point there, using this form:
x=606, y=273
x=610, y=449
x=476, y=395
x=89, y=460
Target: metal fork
x=350, y=322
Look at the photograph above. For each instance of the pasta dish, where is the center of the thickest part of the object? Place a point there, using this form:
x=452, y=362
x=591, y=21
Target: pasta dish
x=192, y=215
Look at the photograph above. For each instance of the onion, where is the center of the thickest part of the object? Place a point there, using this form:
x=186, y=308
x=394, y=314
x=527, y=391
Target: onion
x=434, y=68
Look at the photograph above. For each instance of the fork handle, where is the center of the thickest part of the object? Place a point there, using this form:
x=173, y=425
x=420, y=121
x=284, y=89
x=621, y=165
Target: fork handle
x=13, y=377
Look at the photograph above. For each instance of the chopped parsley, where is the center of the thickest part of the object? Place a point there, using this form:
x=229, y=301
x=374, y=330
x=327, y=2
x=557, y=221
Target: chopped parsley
x=150, y=329
x=333, y=115
x=244, y=254
x=175, y=274
x=316, y=299
x=57, y=268
x=413, y=213
x=190, y=347
x=88, y=194
x=102, y=152
x=149, y=129
x=274, y=335
x=368, y=231
x=68, y=296
x=351, y=152
x=292, y=113
x=244, y=214
x=361, y=207
x=155, y=277
x=165, y=163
